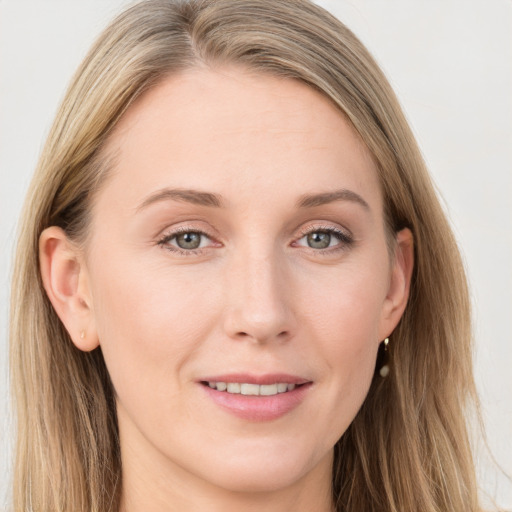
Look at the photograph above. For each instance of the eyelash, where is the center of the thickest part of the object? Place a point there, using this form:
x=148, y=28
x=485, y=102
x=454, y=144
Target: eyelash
x=164, y=242
x=345, y=240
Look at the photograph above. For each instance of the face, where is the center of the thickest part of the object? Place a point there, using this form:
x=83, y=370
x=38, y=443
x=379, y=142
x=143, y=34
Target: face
x=239, y=243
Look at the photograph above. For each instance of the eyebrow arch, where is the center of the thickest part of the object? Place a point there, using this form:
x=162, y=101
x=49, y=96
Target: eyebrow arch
x=185, y=195
x=312, y=200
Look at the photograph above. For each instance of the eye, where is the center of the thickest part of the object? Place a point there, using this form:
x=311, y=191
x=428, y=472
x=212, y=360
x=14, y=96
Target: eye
x=324, y=238
x=185, y=241
x=318, y=240
x=189, y=240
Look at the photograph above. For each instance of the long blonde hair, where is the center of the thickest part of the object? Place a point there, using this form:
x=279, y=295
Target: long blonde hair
x=408, y=448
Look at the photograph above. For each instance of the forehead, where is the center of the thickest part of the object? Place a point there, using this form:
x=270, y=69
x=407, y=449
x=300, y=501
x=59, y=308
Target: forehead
x=236, y=130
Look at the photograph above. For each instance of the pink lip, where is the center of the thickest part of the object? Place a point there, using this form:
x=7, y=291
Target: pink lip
x=257, y=408
x=270, y=378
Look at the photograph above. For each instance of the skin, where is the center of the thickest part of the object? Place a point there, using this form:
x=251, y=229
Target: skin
x=254, y=298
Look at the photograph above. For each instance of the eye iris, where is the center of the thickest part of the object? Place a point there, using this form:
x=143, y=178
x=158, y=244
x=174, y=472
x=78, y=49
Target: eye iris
x=319, y=240
x=188, y=240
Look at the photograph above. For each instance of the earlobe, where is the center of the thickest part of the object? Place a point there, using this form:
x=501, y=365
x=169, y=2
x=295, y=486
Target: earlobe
x=400, y=282
x=64, y=279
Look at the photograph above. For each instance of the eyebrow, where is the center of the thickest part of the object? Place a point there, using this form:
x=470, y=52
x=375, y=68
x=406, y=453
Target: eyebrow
x=312, y=200
x=185, y=195
x=216, y=201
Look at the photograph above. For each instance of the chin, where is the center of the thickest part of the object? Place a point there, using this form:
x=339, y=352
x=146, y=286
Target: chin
x=267, y=469
x=258, y=480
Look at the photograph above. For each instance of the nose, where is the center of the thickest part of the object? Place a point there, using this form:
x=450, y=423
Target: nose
x=258, y=300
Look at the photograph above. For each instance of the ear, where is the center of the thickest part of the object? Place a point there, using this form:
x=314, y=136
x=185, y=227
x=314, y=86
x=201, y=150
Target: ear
x=399, y=283
x=66, y=283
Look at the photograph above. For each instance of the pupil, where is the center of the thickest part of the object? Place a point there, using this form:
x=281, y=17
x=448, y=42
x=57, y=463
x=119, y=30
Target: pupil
x=188, y=240
x=319, y=240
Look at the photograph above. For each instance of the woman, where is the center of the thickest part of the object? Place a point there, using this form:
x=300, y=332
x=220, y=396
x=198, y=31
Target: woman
x=236, y=289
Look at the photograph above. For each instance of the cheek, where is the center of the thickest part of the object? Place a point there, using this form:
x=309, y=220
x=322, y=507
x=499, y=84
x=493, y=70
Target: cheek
x=346, y=306
x=343, y=317
x=149, y=323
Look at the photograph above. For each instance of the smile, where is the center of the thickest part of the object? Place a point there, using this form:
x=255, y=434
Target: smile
x=256, y=398
x=249, y=389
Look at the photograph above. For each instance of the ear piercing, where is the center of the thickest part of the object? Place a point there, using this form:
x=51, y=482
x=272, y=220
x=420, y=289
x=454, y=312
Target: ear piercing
x=82, y=335
x=384, y=370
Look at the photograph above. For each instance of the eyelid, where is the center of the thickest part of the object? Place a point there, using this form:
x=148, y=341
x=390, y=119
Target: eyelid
x=343, y=235
x=171, y=233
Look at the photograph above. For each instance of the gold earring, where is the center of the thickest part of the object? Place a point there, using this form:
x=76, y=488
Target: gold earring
x=384, y=369
x=82, y=335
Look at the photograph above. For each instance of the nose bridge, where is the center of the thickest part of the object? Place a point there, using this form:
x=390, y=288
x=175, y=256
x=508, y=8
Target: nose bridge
x=258, y=306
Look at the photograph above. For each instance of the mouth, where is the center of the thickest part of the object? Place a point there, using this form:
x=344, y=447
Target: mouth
x=250, y=389
x=257, y=398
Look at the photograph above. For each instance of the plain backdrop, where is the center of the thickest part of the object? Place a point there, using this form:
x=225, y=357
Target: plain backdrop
x=450, y=62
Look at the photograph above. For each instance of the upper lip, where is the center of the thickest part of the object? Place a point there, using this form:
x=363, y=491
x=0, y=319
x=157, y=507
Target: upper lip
x=268, y=378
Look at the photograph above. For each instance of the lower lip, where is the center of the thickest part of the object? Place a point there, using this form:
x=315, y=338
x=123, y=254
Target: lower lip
x=258, y=408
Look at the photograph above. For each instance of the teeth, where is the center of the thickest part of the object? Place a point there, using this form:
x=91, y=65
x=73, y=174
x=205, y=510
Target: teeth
x=252, y=389
x=249, y=389
x=234, y=387
x=221, y=386
x=268, y=389
x=282, y=387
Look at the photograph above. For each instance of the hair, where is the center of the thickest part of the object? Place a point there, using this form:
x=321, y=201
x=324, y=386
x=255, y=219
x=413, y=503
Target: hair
x=408, y=447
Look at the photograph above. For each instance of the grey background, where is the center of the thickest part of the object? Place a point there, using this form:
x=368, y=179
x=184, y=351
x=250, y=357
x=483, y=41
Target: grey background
x=450, y=61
